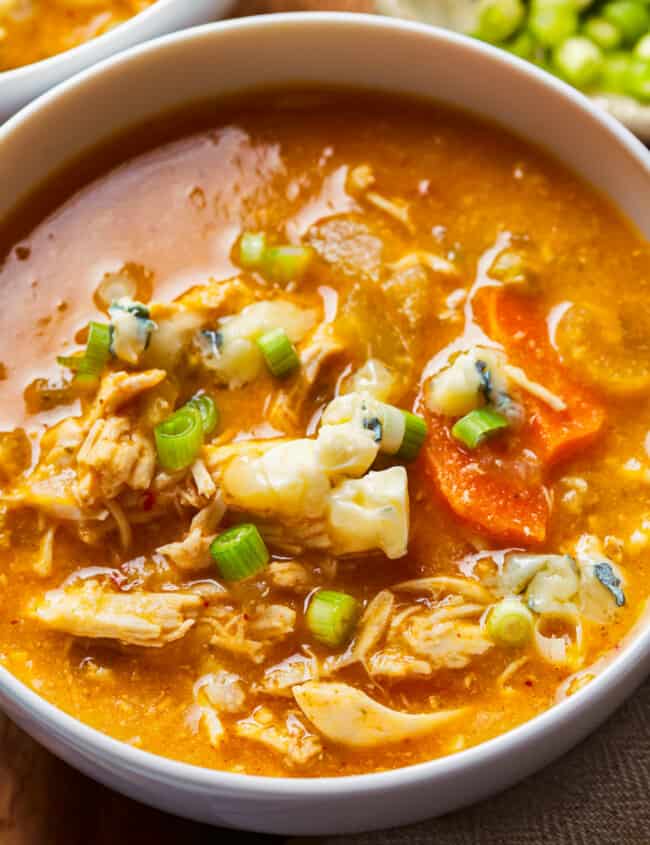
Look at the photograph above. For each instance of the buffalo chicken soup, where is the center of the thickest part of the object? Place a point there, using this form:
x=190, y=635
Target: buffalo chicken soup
x=325, y=435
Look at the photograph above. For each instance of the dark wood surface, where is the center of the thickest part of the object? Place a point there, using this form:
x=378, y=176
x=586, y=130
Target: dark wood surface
x=597, y=794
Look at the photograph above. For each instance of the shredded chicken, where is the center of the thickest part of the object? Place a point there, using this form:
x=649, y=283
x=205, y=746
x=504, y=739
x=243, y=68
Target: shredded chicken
x=192, y=552
x=348, y=716
x=290, y=575
x=291, y=739
x=114, y=455
x=118, y=389
x=88, y=609
x=296, y=669
x=250, y=635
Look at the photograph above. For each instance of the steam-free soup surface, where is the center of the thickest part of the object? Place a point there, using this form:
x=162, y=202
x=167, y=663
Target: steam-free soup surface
x=312, y=267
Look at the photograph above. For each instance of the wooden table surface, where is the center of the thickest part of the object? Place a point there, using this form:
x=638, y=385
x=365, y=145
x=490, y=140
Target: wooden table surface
x=597, y=794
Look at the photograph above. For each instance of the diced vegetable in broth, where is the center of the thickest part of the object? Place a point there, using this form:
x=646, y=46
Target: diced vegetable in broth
x=328, y=451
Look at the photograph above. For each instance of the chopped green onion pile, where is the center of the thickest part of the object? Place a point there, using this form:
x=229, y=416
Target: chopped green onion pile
x=331, y=617
x=180, y=437
x=279, y=353
x=595, y=45
x=281, y=264
x=88, y=367
x=239, y=552
x=474, y=428
x=510, y=623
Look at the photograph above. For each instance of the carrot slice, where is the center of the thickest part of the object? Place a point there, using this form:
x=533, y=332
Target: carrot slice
x=493, y=500
x=517, y=323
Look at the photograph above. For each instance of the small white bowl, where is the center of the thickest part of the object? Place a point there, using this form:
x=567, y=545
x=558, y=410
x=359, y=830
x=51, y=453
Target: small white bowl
x=397, y=57
x=19, y=86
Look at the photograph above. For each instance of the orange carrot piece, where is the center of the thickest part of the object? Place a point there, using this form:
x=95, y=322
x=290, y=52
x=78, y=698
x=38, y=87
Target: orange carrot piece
x=494, y=501
x=517, y=323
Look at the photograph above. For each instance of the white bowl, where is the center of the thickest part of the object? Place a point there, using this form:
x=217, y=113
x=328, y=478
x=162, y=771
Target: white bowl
x=19, y=86
x=386, y=55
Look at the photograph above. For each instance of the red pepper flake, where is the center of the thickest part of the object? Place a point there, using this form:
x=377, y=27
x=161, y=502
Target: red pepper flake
x=528, y=682
x=148, y=500
x=14, y=621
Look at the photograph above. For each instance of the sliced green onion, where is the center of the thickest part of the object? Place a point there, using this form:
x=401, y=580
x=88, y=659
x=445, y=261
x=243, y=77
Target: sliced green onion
x=499, y=19
x=642, y=49
x=477, y=426
x=97, y=354
x=510, y=623
x=279, y=353
x=552, y=23
x=603, y=33
x=283, y=264
x=631, y=18
x=579, y=61
x=415, y=432
x=331, y=617
x=179, y=439
x=72, y=362
x=239, y=552
x=252, y=247
x=206, y=407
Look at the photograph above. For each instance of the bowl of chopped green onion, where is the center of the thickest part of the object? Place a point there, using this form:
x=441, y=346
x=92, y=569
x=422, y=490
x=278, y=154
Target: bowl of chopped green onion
x=601, y=47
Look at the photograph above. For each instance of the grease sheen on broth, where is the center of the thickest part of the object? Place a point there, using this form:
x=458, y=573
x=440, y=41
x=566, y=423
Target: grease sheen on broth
x=166, y=209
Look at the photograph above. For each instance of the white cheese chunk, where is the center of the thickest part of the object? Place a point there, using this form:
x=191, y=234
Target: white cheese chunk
x=371, y=512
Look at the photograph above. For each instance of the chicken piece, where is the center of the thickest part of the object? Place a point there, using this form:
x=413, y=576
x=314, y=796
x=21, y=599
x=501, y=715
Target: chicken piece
x=393, y=665
x=443, y=641
x=271, y=622
x=253, y=634
x=290, y=575
x=292, y=739
x=296, y=669
x=114, y=455
x=215, y=693
x=88, y=609
x=117, y=389
x=222, y=690
x=372, y=627
x=441, y=584
x=192, y=552
x=347, y=716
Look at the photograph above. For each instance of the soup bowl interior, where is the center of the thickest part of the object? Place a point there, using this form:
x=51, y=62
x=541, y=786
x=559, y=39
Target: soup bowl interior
x=332, y=50
x=19, y=86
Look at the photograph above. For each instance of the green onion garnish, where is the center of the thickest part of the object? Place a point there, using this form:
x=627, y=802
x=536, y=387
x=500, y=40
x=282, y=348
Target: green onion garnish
x=97, y=354
x=284, y=264
x=279, y=353
x=251, y=250
x=206, y=407
x=477, y=426
x=179, y=438
x=331, y=617
x=239, y=552
x=415, y=431
x=510, y=623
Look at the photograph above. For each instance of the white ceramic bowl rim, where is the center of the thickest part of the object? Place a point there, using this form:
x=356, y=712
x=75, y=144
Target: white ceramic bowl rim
x=87, y=47
x=256, y=786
